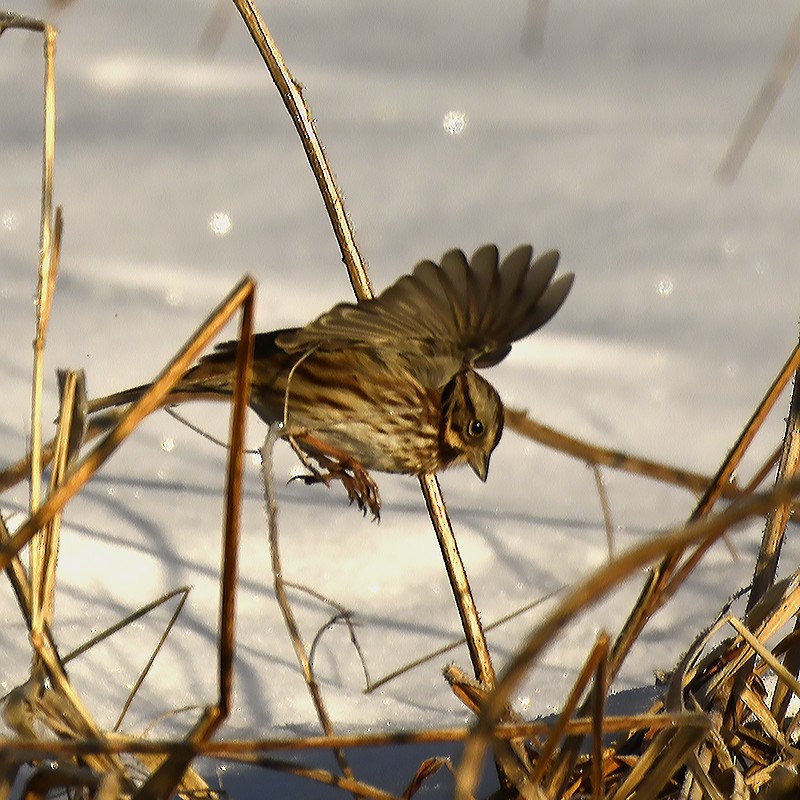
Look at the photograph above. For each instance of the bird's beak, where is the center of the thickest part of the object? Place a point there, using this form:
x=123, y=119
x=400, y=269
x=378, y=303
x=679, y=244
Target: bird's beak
x=479, y=462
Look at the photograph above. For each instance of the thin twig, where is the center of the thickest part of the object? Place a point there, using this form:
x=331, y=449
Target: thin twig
x=280, y=592
x=456, y=643
x=118, y=626
x=599, y=652
x=762, y=106
x=150, y=661
x=176, y=415
x=608, y=523
x=343, y=614
x=291, y=93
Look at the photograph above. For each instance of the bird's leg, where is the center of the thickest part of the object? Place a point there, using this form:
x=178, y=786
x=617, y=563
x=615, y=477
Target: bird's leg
x=333, y=464
x=316, y=476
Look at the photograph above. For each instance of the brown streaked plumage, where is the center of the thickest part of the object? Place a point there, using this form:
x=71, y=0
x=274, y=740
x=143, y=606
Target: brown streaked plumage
x=390, y=384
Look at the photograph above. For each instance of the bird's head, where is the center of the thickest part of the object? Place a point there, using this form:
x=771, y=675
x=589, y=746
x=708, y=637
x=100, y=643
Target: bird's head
x=472, y=417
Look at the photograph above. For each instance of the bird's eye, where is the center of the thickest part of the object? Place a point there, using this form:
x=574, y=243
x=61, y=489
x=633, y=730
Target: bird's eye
x=475, y=428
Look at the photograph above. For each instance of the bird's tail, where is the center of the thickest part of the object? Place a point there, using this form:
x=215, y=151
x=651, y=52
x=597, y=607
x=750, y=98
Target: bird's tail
x=210, y=379
x=118, y=398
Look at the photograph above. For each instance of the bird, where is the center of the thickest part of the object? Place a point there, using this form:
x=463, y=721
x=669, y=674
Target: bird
x=391, y=384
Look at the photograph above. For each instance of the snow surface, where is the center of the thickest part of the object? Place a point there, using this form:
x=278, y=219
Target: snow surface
x=685, y=305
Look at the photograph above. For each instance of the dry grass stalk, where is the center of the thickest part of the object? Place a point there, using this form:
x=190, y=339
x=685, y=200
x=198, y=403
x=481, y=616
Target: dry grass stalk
x=598, y=654
x=283, y=602
x=42, y=556
x=46, y=268
x=44, y=550
x=456, y=643
x=761, y=107
x=43, y=581
x=777, y=519
x=669, y=575
x=291, y=93
x=594, y=455
x=241, y=748
x=184, y=593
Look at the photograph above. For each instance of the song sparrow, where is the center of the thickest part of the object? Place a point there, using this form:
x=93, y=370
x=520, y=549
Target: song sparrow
x=389, y=384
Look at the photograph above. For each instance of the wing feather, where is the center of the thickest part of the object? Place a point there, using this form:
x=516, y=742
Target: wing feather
x=444, y=318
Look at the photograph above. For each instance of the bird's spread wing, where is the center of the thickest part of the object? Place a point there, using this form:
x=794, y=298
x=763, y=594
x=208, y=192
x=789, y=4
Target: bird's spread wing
x=448, y=316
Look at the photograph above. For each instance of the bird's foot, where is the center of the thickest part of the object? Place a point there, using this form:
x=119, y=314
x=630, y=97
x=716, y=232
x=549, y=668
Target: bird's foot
x=325, y=464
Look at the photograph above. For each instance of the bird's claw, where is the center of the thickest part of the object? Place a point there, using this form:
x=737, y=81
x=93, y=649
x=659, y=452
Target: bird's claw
x=362, y=490
x=358, y=483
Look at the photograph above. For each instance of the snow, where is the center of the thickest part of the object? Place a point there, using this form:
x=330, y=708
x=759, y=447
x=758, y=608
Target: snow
x=685, y=306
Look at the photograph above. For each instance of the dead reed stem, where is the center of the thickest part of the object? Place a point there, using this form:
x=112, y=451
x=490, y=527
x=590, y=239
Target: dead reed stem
x=762, y=106
x=283, y=601
x=43, y=582
x=777, y=519
x=291, y=93
x=46, y=279
x=233, y=500
x=41, y=558
x=457, y=575
x=666, y=577
x=594, y=455
x=115, y=743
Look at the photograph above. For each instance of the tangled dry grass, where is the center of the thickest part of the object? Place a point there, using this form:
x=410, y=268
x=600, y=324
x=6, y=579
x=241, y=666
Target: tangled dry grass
x=726, y=724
